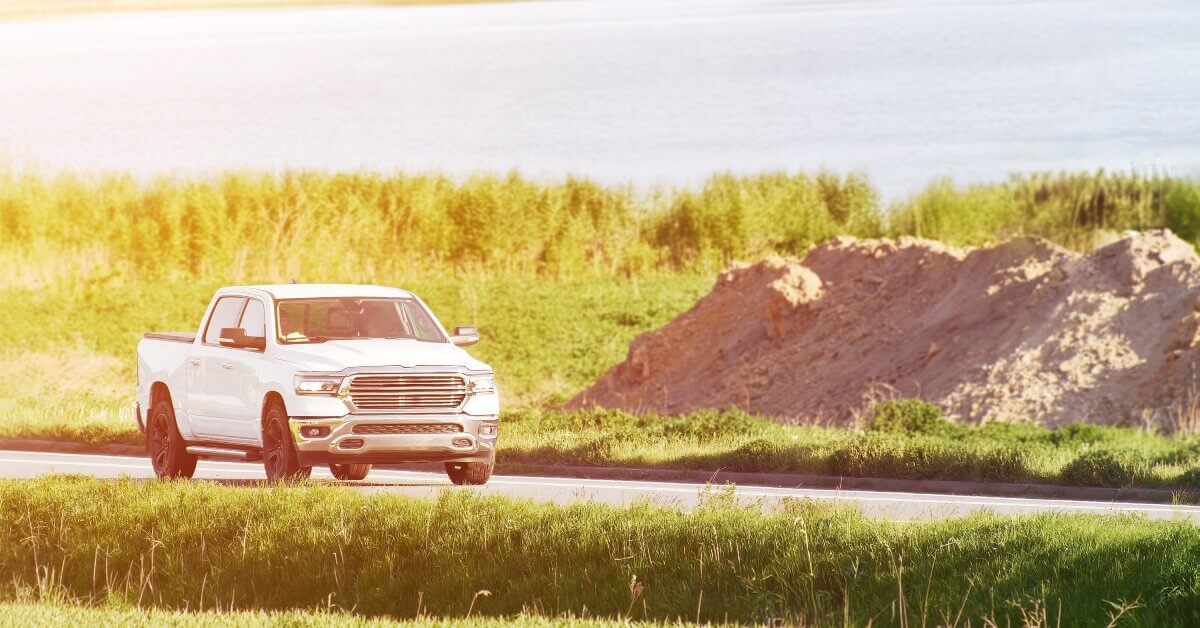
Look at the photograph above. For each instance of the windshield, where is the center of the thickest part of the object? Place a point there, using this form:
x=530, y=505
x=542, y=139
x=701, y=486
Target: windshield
x=318, y=320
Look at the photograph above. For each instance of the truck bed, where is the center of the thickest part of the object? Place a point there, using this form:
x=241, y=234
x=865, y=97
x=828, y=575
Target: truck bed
x=172, y=336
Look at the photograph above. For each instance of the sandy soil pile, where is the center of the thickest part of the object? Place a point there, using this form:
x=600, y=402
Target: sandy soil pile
x=1023, y=330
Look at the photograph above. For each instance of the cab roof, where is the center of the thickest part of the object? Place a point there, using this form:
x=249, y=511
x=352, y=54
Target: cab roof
x=323, y=290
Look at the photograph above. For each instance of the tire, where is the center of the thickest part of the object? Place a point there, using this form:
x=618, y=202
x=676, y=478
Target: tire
x=350, y=471
x=168, y=452
x=279, y=450
x=474, y=473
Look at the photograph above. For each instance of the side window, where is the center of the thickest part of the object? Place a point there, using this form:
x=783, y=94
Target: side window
x=423, y=327
x=225, y=314
x=254, y=319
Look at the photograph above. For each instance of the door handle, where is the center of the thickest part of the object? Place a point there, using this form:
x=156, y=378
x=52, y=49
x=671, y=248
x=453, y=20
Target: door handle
x=226, y=365
x=194, y=361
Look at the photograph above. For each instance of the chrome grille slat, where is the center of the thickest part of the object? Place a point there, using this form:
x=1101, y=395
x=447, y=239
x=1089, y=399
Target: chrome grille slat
x=409, y=428
x=407, y=392
x=398, y=391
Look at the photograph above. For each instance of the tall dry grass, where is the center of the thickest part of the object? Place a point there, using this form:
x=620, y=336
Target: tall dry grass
x=1077, y=210
x=366, y=226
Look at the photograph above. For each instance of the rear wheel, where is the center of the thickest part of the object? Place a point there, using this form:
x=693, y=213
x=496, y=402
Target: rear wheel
x=279, y=450
x=350, y=471
x=168, y=452
x=469, y=472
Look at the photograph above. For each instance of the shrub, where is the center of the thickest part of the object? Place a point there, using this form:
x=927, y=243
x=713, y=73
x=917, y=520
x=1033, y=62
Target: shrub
x=1080, y=434
x=911, y=416
x=758, y=455
x=885, y=455
x=1189, y=478
x=1104, y=468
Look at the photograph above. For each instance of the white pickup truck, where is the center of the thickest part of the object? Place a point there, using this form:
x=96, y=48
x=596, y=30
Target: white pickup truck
x=300, y=375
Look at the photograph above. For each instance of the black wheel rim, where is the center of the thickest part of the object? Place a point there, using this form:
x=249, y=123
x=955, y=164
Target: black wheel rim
x=161, y=438
x=273, y=448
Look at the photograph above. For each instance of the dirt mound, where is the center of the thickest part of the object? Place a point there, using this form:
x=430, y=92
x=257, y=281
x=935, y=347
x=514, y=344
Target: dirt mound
x=1020, y=331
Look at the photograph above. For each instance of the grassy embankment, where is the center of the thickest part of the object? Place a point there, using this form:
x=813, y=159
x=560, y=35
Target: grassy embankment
x=560, y=277
x=201, y=546
x=907, y=439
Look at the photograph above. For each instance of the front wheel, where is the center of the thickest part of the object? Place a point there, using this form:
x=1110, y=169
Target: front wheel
x=469, y=472
x=350, y=471
x=168, y=452
x=279, y=451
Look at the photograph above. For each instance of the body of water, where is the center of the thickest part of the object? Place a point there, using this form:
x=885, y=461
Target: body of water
x=643, y=91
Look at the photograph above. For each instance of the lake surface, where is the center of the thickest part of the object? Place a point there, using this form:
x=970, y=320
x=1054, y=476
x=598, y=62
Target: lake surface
x=648, y=91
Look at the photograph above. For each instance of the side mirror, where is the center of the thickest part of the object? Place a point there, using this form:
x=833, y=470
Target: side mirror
x=236, y=338
x=465, y=336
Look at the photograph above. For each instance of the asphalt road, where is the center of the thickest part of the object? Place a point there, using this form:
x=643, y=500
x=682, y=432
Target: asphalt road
x=900, y=506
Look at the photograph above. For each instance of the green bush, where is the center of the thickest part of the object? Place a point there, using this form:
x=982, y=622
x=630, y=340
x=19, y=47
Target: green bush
x=911, y=416
x=1083, y=434
x=1105, y=468
x=883, y=455
x=1189, y=478
x=758, y=456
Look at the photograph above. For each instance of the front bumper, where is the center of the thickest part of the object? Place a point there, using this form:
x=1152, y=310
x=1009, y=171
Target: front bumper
x=339, y=442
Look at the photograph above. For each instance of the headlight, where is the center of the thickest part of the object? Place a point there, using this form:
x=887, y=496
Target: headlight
x=482, y=385
x=317, y=385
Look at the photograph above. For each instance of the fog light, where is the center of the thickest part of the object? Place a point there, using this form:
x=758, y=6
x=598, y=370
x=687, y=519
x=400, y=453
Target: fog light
x=351, y=443
x=488, y=429
x=461, y=442
x=314, y=431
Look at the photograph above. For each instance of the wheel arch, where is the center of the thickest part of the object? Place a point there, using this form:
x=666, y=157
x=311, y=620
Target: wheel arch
x=158, y=391
x=271, y=397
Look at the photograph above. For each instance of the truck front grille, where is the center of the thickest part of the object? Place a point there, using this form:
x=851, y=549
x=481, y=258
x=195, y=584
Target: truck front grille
x=409, y=428
x=425, y=392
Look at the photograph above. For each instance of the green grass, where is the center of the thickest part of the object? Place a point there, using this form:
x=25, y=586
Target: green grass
x=547, y=341
x=560, y=277
x=202, y=546
x=1082, y=455
x=72, y=613
x=1076, y=210
x=365, y=227
x=368, y=227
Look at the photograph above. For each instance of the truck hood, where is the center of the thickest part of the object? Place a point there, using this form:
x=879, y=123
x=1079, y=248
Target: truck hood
x=335, y=355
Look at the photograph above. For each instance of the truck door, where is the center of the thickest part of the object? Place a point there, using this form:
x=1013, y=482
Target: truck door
x=212, y=384
x=246, y=411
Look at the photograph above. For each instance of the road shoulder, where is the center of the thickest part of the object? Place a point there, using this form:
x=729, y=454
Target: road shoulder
x=773, y=480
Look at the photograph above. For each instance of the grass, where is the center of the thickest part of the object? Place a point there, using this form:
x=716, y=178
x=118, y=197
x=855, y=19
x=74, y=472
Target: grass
x=368, y=227
x=72, y=613
x=559, y=277
x=1081, y=455
x=200, y=546
x=371, y=227
x=546, y=340
x=1076, y=210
